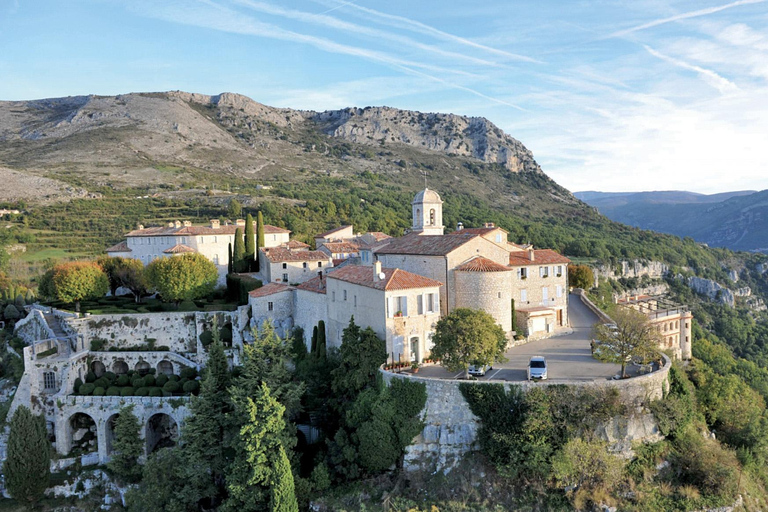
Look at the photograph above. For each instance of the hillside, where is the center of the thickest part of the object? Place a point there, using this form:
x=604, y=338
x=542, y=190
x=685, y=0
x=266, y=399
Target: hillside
x=737, y=220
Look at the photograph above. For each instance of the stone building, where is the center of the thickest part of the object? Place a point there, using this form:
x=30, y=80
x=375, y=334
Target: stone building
x=673, y=322
x=292, y=266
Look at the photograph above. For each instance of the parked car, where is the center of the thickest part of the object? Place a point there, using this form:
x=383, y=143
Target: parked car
x=478, y=370
x=537, y=368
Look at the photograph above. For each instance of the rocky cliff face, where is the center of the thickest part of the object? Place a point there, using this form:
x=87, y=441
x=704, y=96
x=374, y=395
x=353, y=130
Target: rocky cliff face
x=712, y=289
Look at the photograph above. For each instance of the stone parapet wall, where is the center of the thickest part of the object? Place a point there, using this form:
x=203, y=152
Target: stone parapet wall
x=592, y=307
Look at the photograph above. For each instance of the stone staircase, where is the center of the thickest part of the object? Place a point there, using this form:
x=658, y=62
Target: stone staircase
x=55, y=326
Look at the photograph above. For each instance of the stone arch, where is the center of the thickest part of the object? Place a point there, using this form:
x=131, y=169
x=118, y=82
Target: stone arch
x=165, y=367
x=83, y=434
x=162, y=432
x=227, y=334
x=98, y=368
x=110, y=432
x=120, y=367
x=432, y=217
x=142, y=368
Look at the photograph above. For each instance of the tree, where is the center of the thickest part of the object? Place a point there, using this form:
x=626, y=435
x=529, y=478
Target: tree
x=11, y=312
x=362, y=353
x=239, y=252
x=130, y=273
x=127, y=446
x=230, y=261
x=632, y=338
x=250, y=243
x=587, y=468
x=234, y=209
x=164, y=484
x=580, y=276
x=28, y=459
x=110, y=265
x=45, y=287
x=79, y=280
x=282, y=489
x=321, y=348
x=186, y=277
x=466, y=337
x=313, y=345
x=259, y=238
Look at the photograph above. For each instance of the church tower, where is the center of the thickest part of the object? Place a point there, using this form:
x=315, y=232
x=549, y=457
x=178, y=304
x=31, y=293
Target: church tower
x=427, y=213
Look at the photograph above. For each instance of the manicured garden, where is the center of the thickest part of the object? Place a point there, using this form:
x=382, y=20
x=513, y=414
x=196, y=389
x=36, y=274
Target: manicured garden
x=127, y=304
x=134, y=383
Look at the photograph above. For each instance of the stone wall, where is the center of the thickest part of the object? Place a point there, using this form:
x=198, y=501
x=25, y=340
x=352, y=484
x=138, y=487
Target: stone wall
x=489, y=291
x=451, y=428
x=177, y=331
x=33, y=327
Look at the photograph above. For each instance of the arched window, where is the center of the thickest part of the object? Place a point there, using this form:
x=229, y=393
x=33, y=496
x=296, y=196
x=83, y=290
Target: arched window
x=418, y=216
x=432, y=217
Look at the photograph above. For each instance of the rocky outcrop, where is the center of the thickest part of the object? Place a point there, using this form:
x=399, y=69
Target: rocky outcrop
x=712, y=289
x=622, y=432
x=633, y=268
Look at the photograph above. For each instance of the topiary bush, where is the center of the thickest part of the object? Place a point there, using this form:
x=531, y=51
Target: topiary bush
x=188, y=373
x=161, y=380
x=113, y=391
x=101, y=382
x=187, y=305
x=90, y=377
x=172, y=387
x=110, y=376
x=127, y=391
x=123, y=381
x=144, y=391
x=174, y=378
x=191, y=387
x=155, y=392
x=78, y=383
x=206, y=338
x=138, y=382
x=99, y=392
x=86, y=389
x=149, y=380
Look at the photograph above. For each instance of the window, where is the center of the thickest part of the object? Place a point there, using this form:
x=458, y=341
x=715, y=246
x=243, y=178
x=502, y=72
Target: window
x=498, y=238
x=401, y=306
x=355, y=300
x=523, y=273
x=544, y=294
x=215, y=259
x=274, y=238
x=524, y=296
x=285, y=265
x=270, y=306
x=49, y=380
x=420, y=304
x=432, y=217
x=499, y=294
x=285, y=278
x=559, y=290
x=319, y=264
x=431, y=302
x=304, y=264
x=202, y=240
x=559, y=271
x=333, y=296
x=320, y=275
x=543, y=271
x=345, y=295
x=215, y=239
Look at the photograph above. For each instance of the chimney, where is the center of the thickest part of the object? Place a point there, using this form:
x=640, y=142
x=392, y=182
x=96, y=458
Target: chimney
x=490, y=225
x=187, y=223
x=177, y=224
x=459, y=226
x=215, y=223
x=376, y=271
x=531, y=255
x=141, y=226
x=240, y=222
x=170, y=224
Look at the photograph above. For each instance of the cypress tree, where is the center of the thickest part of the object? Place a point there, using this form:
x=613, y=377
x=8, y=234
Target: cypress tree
x=282, y=490
x=514, y=316
x=28, y=462
x=250, y=243
x=259, y=238
x=239, y=252
x=313, y=346
x=321, y=339
x=230, y=263
x=128, y=446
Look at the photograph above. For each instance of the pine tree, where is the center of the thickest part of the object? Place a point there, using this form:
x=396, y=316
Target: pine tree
x=239, y=252
x=259, y=238
x=28, y=460
x=127, y=446
x=230, y=261
x=282, y=490
x=250, y=243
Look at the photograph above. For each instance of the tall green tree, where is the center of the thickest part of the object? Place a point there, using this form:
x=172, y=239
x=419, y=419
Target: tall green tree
x=234, y=209
x=362, y=353
x=28, y=459
x=79, y=280
x=466, y=337
x=238, y=255
x=165, y=484
x=127, y=446
x=633, y=337
x=250, y=243
x=110, y=265
x=580, y=276
x=230, y=261
x=186, y=277
x=321, y=344
x=259, y=238
x=130, y=273
x=282, y=495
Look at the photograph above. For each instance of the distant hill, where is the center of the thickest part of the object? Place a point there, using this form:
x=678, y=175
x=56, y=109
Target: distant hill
x=736, y=220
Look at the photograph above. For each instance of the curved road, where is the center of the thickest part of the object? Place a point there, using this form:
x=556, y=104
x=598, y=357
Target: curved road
x=568, y=356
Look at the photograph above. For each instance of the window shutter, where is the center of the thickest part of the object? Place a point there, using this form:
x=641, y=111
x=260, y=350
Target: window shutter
x=390, y=313
x=420, y=304
x=405, y=306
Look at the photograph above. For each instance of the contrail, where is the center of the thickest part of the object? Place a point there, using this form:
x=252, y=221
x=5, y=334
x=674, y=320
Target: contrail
x=720, y=83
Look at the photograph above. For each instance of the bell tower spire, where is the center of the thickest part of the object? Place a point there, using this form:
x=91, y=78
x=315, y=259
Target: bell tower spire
x=427, y=212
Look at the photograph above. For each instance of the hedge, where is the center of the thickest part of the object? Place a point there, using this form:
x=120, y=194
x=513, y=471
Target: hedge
x=238, y=287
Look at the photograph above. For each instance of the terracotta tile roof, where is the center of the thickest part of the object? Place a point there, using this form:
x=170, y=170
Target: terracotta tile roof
x=336, y=247
x=121, y=247
x=269, y=289
x=332, y=231
x=281, y=254
x=199, y=230
x=378, y=235
x=540, y=257
x=337, y=261
x=477, y=231
x=179, y=249
x=426, y=245
x=315, y=285
x=394, y=278
x=481, y=264
x=295, y=244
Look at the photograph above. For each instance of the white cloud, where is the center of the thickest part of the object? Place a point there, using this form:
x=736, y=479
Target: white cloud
x=720, y=83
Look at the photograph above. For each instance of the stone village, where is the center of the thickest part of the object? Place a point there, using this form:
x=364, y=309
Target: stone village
x=400, y=287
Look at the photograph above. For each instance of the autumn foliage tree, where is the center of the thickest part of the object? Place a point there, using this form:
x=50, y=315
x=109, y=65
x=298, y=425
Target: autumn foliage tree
x=186, y=277
x=77, y=281
x=580, y=276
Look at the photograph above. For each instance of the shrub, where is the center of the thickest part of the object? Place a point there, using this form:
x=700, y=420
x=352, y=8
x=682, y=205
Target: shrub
x=191, y=387
x=138, y=382
x=123, y=380
x=113, y=391
x=174, y=378
x=705, y=464
x=143, y=391
x=78, y=383
x=99, y=392
x=206, y=338
x=172, y=387
x=86, y=389
x=160, y=380
x=226, y=335
x=102, y=382
x=155, y=392
x=110, y=376
x=97, y=344
x=187, y=305
x=127, y=391
x=149, y=380
x=90, y=377
x=188, y=373
x=588, y=468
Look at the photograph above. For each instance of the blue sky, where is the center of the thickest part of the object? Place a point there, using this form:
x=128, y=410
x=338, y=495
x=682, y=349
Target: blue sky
x=609, y=95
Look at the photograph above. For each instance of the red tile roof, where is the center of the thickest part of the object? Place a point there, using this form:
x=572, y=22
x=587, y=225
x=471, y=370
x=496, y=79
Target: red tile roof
x=179, y=249
x=394, y=278
x=477, y=231
x=332, y=231
x=540, y=257
x=481, y=264
x=315, y=285
x=282, y=254
x=378, y=235
x=199, y=230
x=295, y=244
x=269, y=289
x=426, y=245
x=121, y=247
x=336, y=247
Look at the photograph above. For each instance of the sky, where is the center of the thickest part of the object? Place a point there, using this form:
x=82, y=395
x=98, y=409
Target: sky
x=623, y=95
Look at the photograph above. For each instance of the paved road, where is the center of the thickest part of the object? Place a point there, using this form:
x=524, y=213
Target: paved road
x=568, y=356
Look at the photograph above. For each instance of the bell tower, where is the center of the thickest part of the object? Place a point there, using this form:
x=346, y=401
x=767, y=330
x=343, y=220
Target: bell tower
x=427, y=213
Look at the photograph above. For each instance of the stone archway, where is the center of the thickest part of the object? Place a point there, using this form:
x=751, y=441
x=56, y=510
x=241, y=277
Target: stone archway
x=142, y=368
x=83, y=434
x=165, y=367
x=162, y=432
x=120, y=368
x=98, y=368
x=110, y=432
